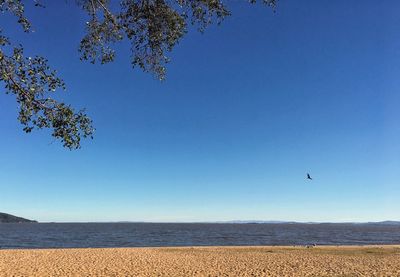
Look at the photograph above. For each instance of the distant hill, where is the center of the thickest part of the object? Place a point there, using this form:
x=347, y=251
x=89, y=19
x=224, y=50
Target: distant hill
x=8, y=218
x=257, y=222
x=387, y=222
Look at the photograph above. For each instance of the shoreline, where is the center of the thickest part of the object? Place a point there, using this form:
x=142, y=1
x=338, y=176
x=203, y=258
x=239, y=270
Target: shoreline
x=365, y=260
x=297, y=246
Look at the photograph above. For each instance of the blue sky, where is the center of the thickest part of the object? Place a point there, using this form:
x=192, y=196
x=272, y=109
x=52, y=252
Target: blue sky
x=248, y=108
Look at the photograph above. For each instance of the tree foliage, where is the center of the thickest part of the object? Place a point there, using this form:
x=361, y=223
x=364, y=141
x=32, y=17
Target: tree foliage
x=153, y=28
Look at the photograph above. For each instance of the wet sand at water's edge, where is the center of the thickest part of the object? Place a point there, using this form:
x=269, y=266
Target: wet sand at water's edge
x=205, y=261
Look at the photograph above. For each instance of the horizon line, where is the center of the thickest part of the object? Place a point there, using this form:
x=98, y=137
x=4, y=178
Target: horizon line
x=231, y=222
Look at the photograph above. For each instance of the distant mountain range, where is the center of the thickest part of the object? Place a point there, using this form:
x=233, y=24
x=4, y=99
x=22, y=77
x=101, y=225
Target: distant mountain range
x=8, y=218
x=387, y=222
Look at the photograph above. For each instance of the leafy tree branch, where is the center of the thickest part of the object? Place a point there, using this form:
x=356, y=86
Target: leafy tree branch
x=153, y=28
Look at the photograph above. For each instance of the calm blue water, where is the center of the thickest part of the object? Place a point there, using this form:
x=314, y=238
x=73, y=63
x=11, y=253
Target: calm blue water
x=65, y=235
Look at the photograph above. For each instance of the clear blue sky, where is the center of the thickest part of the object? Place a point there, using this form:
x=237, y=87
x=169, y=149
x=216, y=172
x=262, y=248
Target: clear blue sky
x=247, y=109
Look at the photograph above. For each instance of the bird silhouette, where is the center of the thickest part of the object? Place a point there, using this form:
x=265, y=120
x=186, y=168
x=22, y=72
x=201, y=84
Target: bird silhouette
x=37, y=4
x=308, y=176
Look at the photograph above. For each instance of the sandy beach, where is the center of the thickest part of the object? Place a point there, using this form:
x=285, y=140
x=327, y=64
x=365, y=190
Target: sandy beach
x=204, y=261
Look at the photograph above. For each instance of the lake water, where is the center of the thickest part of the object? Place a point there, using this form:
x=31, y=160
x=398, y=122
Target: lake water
x=66, y=235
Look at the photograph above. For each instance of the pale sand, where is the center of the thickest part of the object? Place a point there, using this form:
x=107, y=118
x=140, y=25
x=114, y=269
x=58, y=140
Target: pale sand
x=204, y=261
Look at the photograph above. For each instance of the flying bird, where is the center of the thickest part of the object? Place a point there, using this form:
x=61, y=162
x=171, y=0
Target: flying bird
x=37, y=4
x=308, y=177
